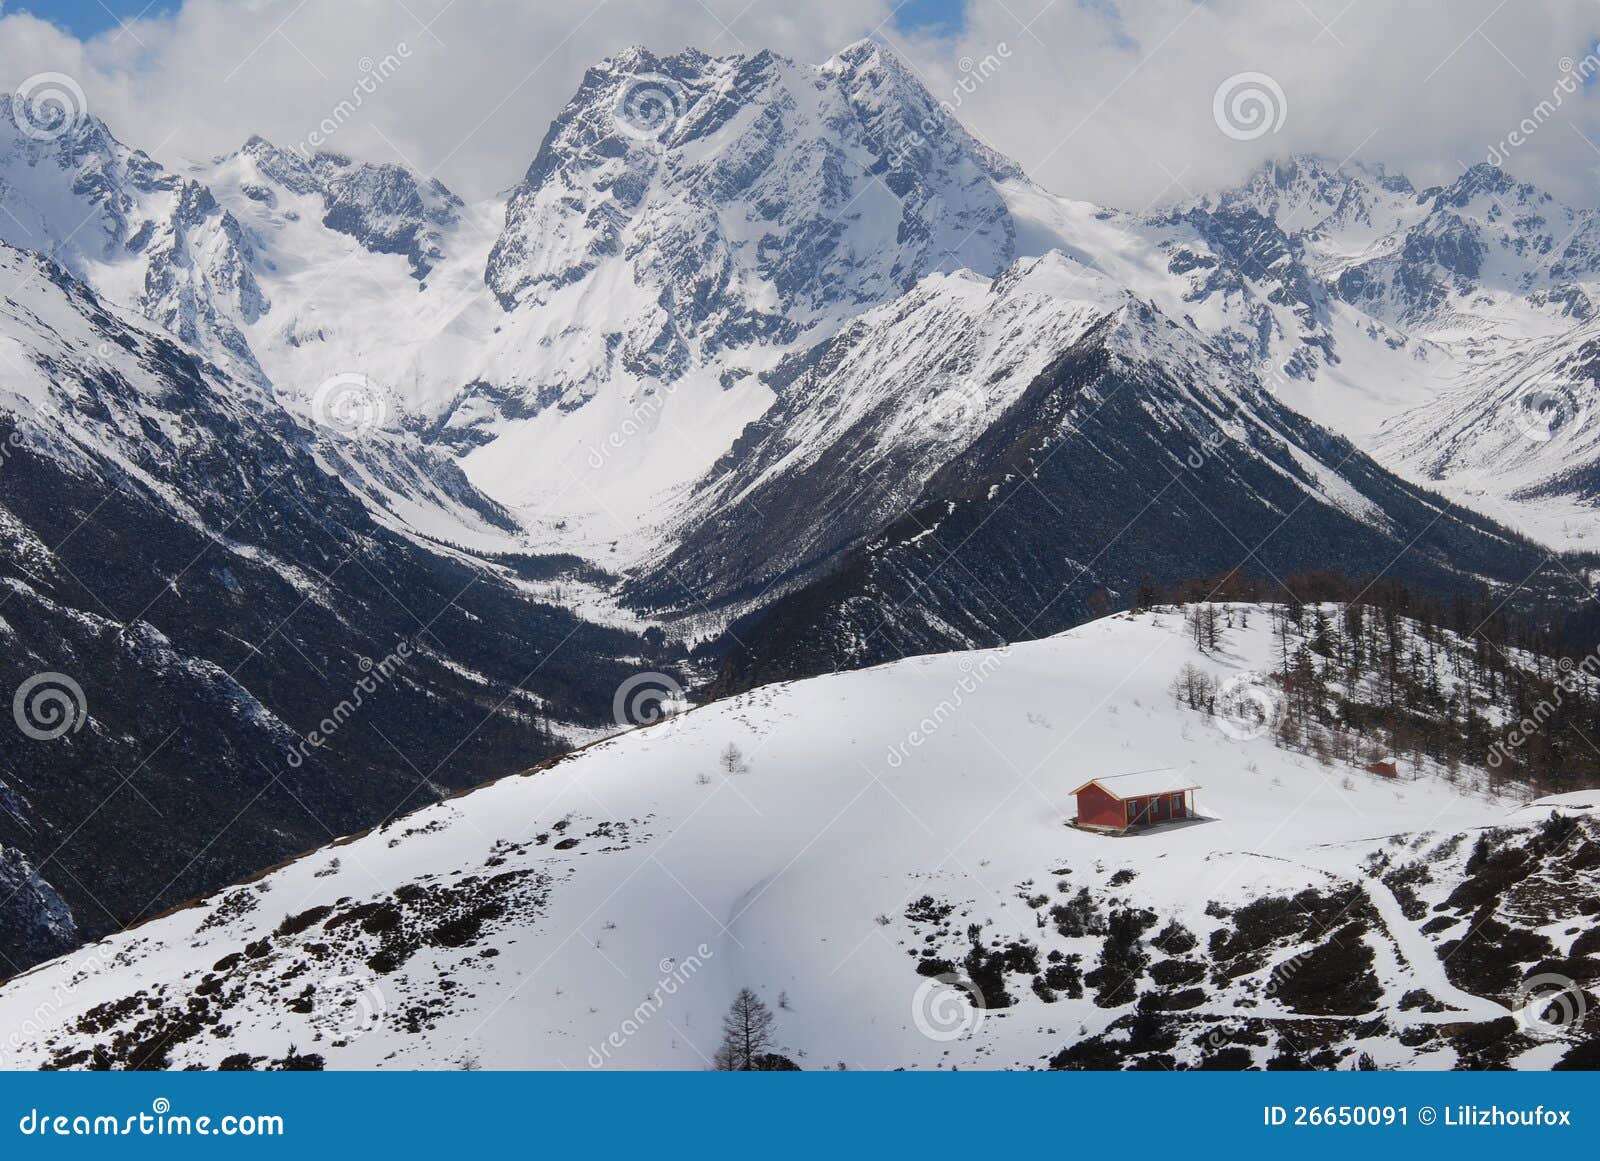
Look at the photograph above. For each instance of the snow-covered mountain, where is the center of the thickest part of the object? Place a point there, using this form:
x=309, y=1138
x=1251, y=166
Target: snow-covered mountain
x=143, y=236
x=1127, y=461
x=1452, y=325
x=1521, y=440
x=566, y=369
x=901, y=887
x=387, y=209
x=769, y=357
x=751, y=196
x=863, y=420
x=190, y=597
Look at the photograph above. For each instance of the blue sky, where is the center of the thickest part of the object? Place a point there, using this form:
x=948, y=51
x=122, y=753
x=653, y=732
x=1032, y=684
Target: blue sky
x=87, y=17
x=937, y=16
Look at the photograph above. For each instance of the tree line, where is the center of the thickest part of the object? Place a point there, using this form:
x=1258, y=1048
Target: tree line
x=1391, y=671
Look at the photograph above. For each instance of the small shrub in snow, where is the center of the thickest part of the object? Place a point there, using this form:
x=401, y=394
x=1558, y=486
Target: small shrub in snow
x=732, y=760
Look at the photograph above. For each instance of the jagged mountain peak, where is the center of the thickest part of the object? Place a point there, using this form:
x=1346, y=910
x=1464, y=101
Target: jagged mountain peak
x=55, y=129
x=386, y=207
x=1299, y=167
x=1485, y=180
x=157, y=241
x=736, y=185
x=1310, y=194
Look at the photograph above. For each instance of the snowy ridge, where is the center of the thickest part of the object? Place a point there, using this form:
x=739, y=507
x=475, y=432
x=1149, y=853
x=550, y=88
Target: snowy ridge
x=143, y=236
x=864, y=420
x=80, y=385
x=174, y=557
x=559, y=370
x=518, y=925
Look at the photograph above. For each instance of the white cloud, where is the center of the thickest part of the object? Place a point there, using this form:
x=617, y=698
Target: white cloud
x=1107, y=102
x=1114, y=104
x=472, y=100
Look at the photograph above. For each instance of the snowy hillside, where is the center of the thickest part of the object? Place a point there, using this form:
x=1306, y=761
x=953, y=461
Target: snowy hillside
x=864, y=420
x=178, y=570
x=767, y=359
x=867, y=838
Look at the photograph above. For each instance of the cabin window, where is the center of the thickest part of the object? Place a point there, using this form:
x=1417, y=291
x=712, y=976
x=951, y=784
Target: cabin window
x=1177, y=802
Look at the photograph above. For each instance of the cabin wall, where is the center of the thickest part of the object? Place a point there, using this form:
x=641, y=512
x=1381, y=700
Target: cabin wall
x=1097, y=808
x=1149, y=809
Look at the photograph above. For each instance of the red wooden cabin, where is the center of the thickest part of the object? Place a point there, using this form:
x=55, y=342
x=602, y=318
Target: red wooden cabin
x=1122, y=802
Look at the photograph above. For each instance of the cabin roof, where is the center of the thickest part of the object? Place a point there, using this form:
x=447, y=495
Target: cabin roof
x=1142, y=783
